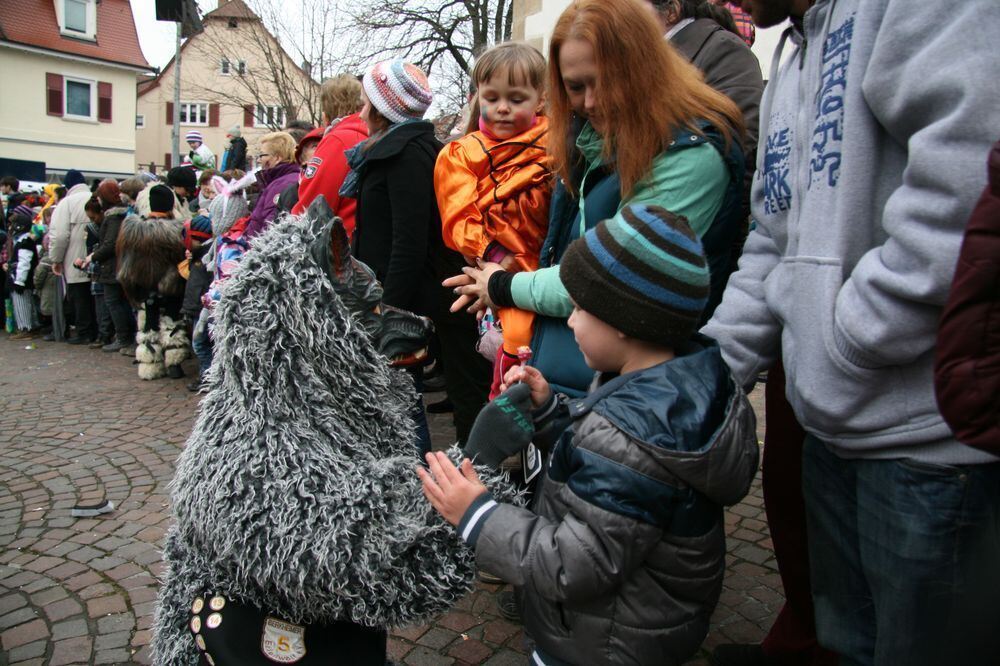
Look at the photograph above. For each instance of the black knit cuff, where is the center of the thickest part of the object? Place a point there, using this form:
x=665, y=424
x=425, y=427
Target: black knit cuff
x=499, y=289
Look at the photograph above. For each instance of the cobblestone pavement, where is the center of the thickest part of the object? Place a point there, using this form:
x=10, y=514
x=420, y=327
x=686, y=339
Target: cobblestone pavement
x=78, y=426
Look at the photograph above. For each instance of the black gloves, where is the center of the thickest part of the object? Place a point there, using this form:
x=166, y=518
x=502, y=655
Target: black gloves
x=503, y=427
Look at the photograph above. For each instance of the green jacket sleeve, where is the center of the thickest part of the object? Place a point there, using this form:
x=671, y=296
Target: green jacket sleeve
x=690, y=182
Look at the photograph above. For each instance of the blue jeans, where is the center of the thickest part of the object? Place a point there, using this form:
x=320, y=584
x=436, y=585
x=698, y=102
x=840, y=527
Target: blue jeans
x=202, y=344
x=904, y=558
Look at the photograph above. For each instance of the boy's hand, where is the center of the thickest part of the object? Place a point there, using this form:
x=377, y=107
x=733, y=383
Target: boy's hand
x=540, y=389
x=450, y=491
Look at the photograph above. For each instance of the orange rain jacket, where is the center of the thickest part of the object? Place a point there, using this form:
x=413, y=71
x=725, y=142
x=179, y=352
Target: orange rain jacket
x=491, y=191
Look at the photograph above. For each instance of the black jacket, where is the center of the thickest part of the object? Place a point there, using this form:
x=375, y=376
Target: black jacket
x=236, y=158
x=104, y=253
x=398, y=230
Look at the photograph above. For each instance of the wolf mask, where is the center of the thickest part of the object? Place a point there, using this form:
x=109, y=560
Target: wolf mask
x=296, y=490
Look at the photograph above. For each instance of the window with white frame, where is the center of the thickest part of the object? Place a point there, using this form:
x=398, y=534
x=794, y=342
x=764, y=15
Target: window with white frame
x=140, y=121
x=241, y=67
x=273, y=116
x=78, y=18
x=79, y=96
x=225, y=69
x=194, y=113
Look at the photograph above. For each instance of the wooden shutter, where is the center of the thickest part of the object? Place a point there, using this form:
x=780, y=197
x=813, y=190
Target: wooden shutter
x=166, y=160
x=248, y=115
x=54, y=94
x=170, y=113
x=213, y=115
x=104, y=101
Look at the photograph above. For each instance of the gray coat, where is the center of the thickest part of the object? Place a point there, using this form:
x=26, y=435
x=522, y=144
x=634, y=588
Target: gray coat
x=621, y=559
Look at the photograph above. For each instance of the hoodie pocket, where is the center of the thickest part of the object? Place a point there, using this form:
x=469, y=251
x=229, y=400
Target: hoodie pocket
x=830, y=395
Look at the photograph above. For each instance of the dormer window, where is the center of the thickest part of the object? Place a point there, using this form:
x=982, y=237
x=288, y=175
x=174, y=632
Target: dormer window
x=233, y=23
x=77, y=18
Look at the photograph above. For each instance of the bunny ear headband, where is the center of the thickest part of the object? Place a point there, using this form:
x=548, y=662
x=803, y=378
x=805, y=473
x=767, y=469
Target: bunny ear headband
x=224, y=188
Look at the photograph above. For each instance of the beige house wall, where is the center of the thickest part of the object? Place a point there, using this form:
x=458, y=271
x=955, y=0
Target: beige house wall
x=27, y=132
x=202, y=81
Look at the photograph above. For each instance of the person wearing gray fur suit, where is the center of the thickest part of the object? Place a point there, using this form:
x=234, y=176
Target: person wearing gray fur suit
x=149, y=248
x=301, y=533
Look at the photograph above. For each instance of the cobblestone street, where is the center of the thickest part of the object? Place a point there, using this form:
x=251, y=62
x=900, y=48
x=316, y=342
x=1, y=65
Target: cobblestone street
x=78, y=426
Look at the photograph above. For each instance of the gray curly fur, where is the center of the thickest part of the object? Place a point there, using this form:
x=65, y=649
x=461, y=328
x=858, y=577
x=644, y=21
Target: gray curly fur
x=297, y=490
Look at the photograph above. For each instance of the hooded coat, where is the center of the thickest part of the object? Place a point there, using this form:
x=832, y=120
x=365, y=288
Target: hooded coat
x=621, y=559
x=296, y=491
x=869, y=168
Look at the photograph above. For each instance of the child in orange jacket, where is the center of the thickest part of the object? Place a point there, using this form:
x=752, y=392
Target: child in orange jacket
x=493, y=185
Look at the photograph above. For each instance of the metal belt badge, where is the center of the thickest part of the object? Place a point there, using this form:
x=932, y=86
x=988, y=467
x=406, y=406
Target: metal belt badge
x=531, y=462
x=283, y=642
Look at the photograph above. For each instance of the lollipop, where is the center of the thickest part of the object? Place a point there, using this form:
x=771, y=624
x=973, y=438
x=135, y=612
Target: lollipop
x=524, y=354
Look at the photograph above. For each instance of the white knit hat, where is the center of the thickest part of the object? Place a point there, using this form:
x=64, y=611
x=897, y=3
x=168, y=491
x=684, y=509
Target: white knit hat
x=194, y=135
x=398, y=90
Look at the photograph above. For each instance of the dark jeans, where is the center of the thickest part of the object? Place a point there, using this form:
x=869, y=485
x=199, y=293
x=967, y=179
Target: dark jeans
x=791, y=640
x=904, y=558
x=105, y=327
x=82, y=304
x=121, y=313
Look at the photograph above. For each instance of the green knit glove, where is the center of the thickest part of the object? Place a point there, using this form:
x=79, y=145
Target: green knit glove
x=503, y=427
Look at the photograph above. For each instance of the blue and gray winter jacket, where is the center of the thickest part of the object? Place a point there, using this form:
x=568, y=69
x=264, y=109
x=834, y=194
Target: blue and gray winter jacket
x=621, y=558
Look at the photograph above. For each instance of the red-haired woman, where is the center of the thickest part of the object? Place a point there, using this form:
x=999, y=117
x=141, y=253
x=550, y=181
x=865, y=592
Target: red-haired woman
x=641, y=128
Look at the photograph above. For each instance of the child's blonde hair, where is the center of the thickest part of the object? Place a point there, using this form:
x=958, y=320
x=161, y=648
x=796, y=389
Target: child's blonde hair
x=522, y=62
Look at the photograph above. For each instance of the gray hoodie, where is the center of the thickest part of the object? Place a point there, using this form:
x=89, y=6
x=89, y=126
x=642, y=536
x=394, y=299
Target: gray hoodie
x=873, y=134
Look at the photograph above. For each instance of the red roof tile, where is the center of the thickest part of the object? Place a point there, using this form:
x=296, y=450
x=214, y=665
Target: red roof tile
x=33, y=23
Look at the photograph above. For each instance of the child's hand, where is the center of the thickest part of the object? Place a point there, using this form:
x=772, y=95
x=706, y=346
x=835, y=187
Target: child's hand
x=450, y=491
x=540, y=389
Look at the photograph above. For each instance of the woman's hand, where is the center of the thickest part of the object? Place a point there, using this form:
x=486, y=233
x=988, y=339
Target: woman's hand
x=472, y=287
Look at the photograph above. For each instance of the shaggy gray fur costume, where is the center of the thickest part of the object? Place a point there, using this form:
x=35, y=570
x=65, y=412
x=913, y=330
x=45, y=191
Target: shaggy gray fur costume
x=297, y=491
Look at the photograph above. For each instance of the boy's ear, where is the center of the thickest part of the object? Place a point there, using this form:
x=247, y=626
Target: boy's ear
x=540, y=109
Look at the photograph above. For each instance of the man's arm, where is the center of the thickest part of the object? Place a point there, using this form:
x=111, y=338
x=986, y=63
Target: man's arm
x=749, y=336
x=926, y=84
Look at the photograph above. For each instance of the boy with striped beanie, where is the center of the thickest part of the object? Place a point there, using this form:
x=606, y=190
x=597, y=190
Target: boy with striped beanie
x=622, y=552
x=201, y=156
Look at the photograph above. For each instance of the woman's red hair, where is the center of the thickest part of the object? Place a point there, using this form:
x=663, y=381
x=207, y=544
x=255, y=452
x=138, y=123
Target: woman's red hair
x=645, y=89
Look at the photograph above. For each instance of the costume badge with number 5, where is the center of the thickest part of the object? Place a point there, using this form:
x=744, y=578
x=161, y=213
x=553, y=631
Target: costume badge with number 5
x=282, y=642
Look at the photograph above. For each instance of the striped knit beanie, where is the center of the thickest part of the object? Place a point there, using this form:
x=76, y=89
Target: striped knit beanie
x=398, y=90
x=23, y=210
x=194, y=135
x=643, y=272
